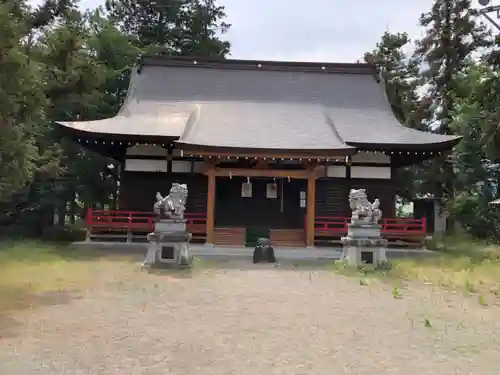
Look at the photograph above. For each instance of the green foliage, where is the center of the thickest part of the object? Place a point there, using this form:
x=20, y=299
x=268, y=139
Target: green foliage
x=399, y=74
x=452, y=36
x=476, y=216
x=60, y=64
x=444, y=87
x=21, y=101
x=64, y=234
x=172, y=27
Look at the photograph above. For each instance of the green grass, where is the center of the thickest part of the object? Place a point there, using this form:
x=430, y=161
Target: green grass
x=462, y=264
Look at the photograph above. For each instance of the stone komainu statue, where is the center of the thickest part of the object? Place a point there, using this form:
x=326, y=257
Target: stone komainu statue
x=363, y=212
x=174, y=204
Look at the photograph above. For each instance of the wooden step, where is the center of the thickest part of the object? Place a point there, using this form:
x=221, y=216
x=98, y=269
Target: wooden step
x=230, y=236
x=287, y=237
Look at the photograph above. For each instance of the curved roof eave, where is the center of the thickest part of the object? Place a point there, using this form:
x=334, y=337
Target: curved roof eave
x=78, y=129
x=440, y=146
x=334, y=152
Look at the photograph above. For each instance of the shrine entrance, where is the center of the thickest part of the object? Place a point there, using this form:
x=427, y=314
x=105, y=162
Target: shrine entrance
x=244, y=204
x=260, y=202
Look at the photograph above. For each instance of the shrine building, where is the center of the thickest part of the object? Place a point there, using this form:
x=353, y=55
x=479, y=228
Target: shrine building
x=266, y=148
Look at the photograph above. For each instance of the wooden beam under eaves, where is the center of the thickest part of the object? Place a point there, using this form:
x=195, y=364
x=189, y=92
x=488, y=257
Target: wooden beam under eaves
x=255, y=172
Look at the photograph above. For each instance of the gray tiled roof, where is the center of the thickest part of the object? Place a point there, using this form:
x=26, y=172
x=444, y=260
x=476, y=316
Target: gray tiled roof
x=259, y=108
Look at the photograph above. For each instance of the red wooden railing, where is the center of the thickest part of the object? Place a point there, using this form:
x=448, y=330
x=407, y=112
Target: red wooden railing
x=337, y=225
x=197, y=223
x=403, y=225
x=130, y=220
x=331, y=224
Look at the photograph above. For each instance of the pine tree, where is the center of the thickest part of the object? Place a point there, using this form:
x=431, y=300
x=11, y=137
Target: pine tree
x=152, y=23
x=21, y=100
x=117, y=53
x=73, y=79
x=400, y=74
x=452, y=36
x=201, y=21
x=172, y=27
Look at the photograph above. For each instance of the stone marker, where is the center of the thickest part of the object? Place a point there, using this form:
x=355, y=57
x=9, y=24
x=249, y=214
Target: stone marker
x=363, y=243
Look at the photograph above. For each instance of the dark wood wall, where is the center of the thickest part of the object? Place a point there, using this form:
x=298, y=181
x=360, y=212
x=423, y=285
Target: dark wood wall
x=332, y=195
x=138, y=190
x=331, y=198
x=232, y=210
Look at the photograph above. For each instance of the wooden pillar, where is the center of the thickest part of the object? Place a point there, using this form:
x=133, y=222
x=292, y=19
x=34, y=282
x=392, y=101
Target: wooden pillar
x=211, y=205
x=311, y=205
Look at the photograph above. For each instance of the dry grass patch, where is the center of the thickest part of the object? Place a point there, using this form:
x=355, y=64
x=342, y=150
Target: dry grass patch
x=34, y=273
x=462, y=264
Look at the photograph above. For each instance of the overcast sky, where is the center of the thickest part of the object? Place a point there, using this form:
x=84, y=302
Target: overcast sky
x=313, y=30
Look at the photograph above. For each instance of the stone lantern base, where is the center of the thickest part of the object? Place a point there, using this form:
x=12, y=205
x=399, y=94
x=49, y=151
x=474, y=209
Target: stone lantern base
x=363, y=245
x=169, y=244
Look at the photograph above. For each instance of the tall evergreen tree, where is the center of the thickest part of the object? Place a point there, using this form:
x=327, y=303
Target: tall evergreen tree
x=117, y=52
x=400, y=74
x=21, y=100
x=452, y=35
x=173, y=27
x=201, y=21
x=152, y=23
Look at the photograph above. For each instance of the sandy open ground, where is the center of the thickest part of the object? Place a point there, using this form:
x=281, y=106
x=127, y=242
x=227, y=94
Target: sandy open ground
x=260, y=320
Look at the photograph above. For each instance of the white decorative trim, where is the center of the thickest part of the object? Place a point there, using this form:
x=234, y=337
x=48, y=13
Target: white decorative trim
x=371, y=157
x=338, y=171
x=383, y=173
x=147, y=150
x=180, y=166
x=291, y=162
x=177, y=153
x=198, y=166
x=143, y=165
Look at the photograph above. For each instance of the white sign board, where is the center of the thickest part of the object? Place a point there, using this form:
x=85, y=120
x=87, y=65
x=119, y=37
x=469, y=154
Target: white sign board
x=246, y=190
x=272, y=191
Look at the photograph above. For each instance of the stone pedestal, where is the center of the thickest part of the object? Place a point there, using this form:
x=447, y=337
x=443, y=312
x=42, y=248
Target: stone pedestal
x=363, y=244
x=169, y=244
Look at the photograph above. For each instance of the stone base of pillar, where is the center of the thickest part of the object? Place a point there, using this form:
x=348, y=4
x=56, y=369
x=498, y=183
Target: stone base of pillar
x=169, y=244
x=363, y=245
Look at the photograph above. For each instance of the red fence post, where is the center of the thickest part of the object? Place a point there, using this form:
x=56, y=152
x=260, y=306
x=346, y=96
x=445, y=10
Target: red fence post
x=88, y=221
x=88, y=218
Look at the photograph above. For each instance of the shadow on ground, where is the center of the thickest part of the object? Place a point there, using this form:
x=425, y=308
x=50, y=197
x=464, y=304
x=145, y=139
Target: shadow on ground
x=20, y=299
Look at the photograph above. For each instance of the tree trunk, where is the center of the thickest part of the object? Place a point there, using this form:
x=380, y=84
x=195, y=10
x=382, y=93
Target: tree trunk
x=73, y=207
x=61, y=212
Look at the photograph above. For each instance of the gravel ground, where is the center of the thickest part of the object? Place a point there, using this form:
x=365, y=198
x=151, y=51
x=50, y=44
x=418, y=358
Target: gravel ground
x=261, y=320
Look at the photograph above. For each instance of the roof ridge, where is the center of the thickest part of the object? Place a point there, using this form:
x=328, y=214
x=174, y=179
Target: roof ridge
x=242, y=64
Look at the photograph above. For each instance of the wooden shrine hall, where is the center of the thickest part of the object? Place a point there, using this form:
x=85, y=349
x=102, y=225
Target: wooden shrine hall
x=268, y=149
